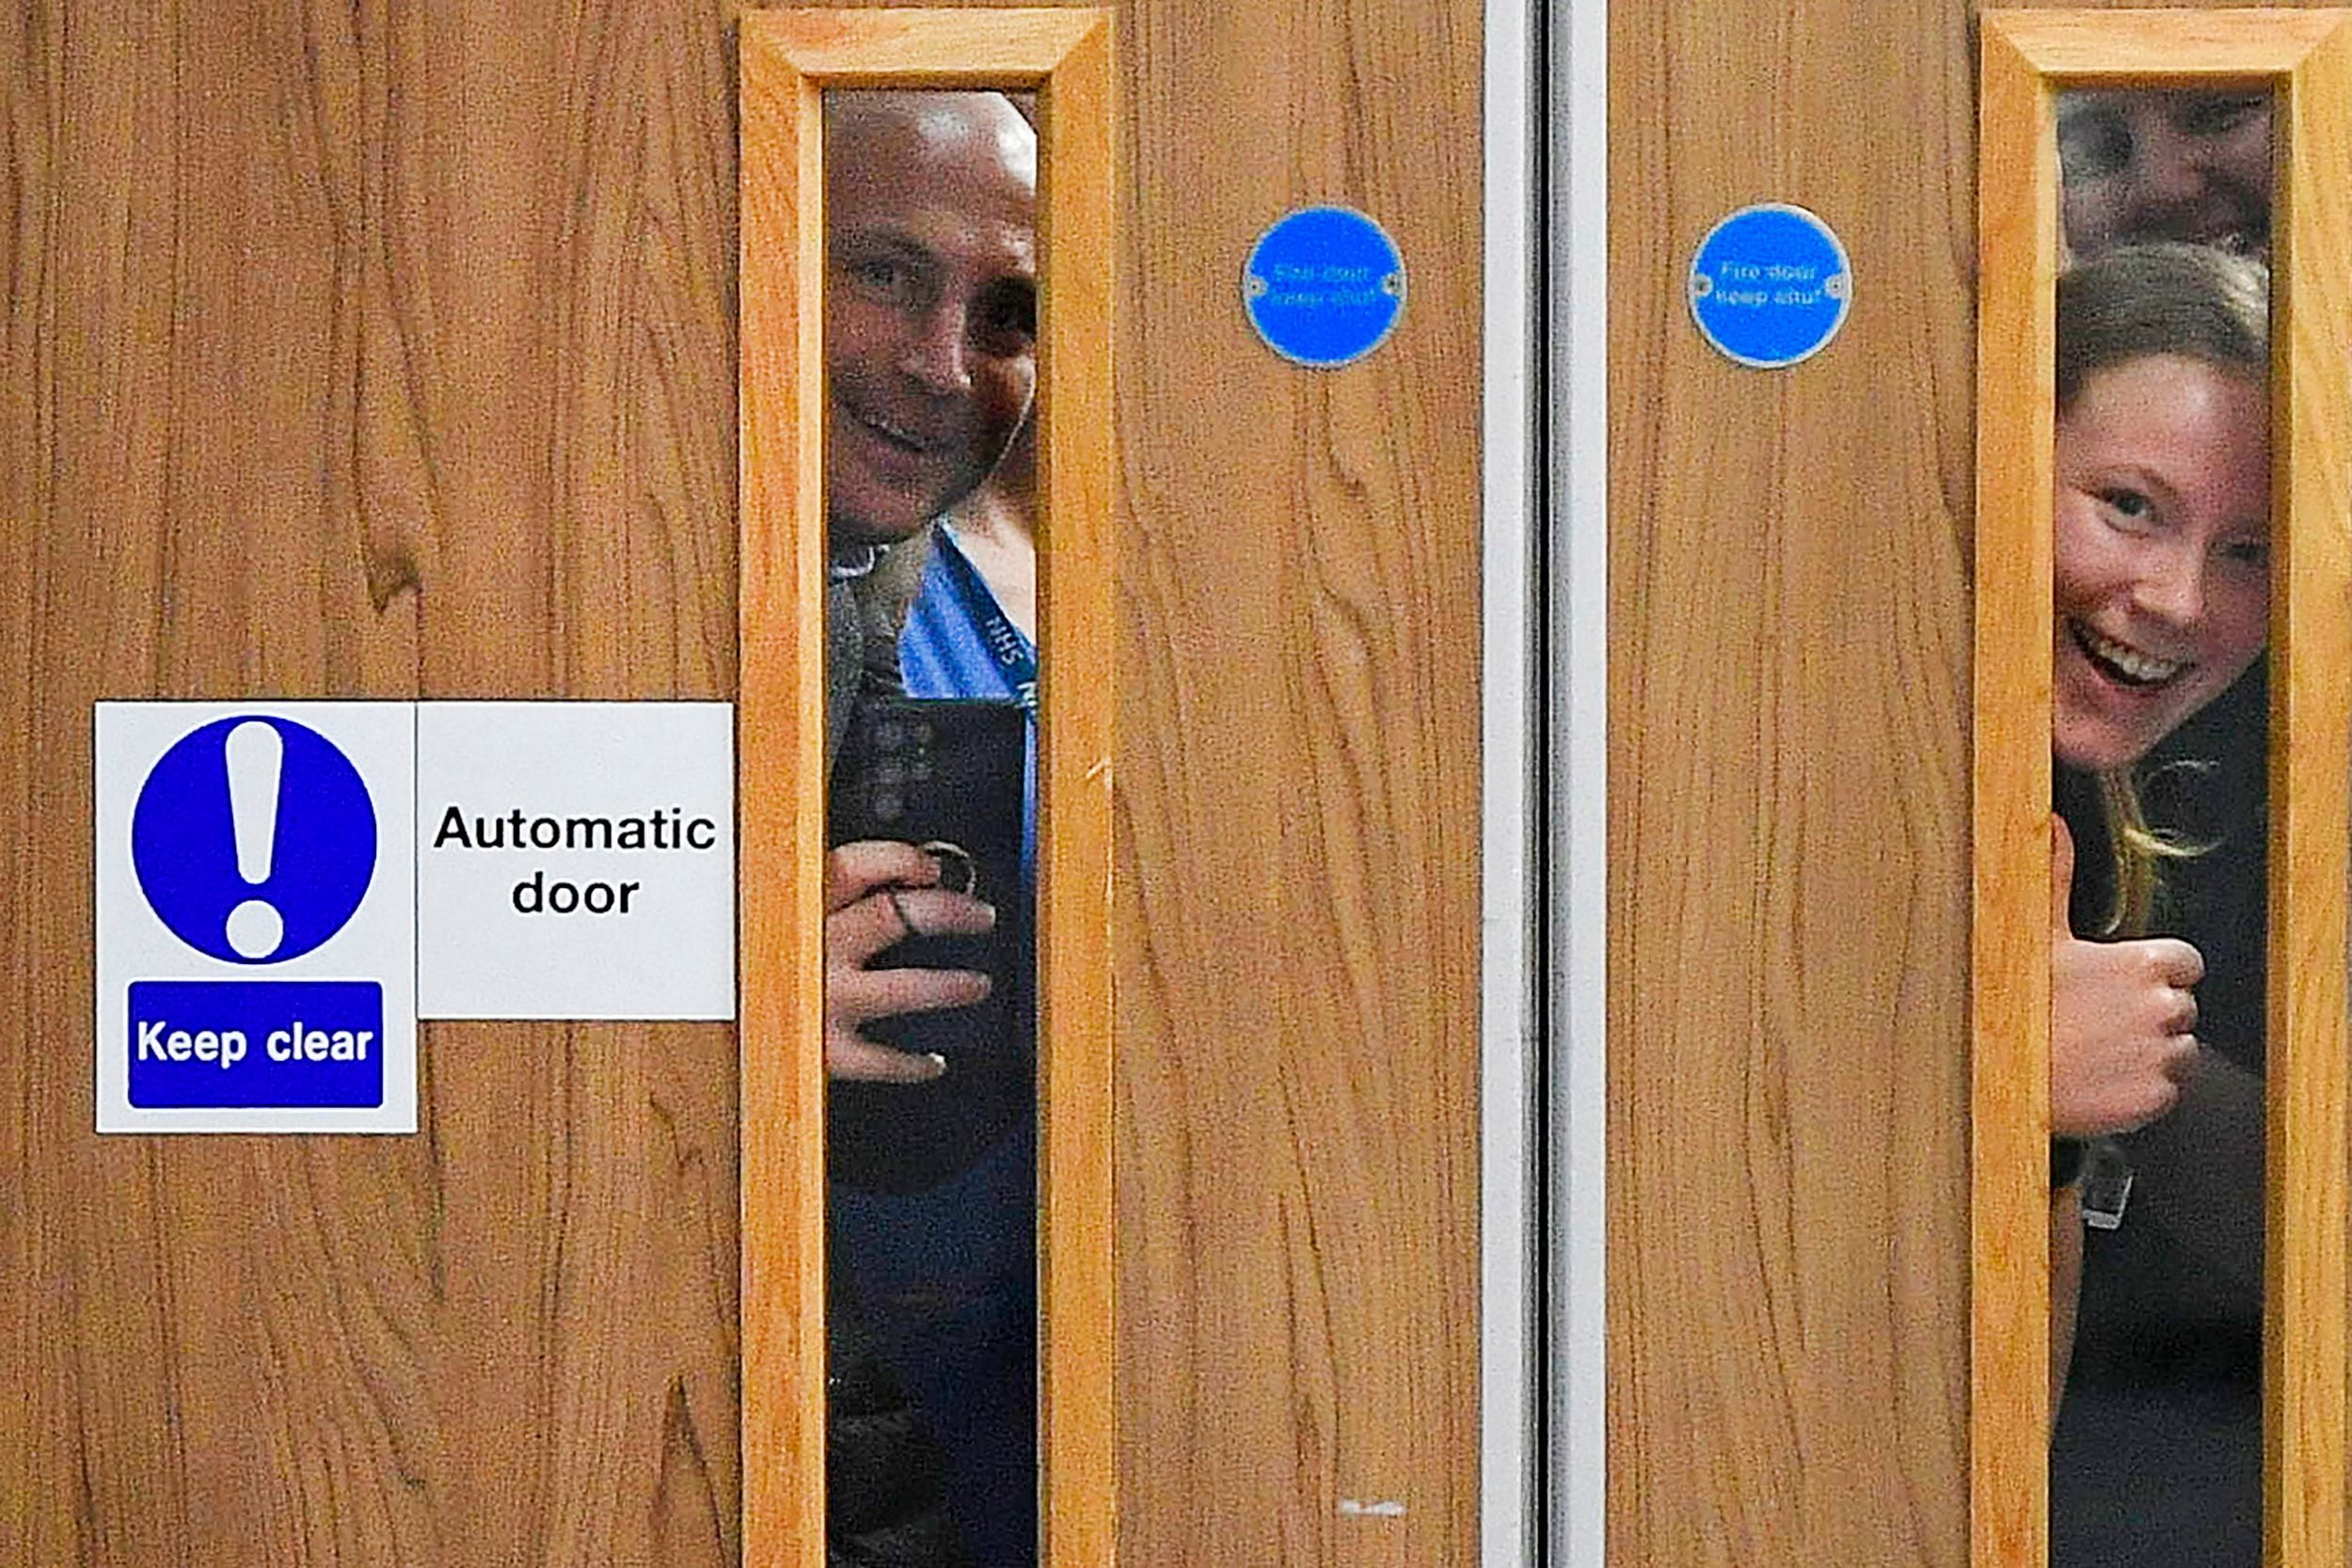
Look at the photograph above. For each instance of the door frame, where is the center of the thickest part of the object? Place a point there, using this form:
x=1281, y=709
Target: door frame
x=1572, y=294
x=789, y=59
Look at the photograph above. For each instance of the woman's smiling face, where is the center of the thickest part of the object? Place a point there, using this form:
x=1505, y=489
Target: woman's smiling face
x=2162, y=551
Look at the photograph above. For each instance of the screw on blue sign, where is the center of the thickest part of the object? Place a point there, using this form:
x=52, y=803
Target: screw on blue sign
x=254, y=839
x=1324, y=286
x=1770, y=285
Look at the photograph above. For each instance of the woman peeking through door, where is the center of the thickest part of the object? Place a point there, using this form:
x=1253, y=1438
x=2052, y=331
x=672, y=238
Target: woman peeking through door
x=2161, y=600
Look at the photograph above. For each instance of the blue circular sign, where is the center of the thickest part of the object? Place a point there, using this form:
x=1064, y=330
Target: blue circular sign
x=1324, y=286
x=1770, y=285
x=254, y=839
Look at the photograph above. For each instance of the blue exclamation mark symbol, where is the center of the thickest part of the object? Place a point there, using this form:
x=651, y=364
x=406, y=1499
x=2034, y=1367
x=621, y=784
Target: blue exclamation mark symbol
x=256, y=757
x=254, y=839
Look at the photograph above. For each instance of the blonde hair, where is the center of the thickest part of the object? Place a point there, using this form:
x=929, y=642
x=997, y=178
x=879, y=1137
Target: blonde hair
x=2136, y=852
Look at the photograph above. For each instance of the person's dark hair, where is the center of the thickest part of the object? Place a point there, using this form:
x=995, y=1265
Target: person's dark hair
x=2190, y=302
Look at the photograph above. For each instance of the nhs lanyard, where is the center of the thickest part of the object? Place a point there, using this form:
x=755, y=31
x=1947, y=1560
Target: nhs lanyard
x=1006, y=645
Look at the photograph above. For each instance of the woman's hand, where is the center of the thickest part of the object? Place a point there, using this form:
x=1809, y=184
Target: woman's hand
x=2123, y=1019
x=877, y=894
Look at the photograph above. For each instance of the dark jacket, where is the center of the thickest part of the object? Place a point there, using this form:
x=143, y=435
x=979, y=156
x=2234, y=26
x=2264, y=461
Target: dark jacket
x=2157, y=1461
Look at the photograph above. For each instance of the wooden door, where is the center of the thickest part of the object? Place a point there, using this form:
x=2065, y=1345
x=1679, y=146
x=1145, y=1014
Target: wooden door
x=1788, y=803
x=389, y=352
x=1790, y=873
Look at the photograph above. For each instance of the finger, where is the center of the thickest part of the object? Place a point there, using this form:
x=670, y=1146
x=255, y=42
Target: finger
x=2181, y=1018
x=854, y=936
x=854, y=870
x=853, y=1057
x=863, y=995
x=2173, y=961
x=2181, y=1057
x=2157, y=1106
x=937, y=912
x=2061, y=876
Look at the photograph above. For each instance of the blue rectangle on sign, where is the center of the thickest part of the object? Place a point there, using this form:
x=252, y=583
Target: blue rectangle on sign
x=258, y=1044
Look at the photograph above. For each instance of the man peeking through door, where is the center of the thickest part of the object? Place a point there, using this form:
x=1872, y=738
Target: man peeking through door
x=2141, y=166
x=929, y=372
x=930, y=364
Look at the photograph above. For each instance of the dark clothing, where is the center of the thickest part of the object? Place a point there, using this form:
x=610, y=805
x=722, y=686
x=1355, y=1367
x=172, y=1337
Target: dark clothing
x=943, y=1250
x=949, y=1278
x=884, y=1499
x=2157, y=1459
x=861, y=653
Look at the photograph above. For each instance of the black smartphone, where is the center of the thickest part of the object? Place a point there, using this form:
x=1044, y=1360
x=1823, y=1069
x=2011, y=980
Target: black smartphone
x=947, y=775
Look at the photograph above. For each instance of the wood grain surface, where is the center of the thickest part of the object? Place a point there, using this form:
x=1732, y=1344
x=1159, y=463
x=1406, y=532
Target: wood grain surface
x=2307, y=1382
x=1298, y=816
x=389, y=351
x=779, y=737
x=2010, y=1211
x=1788, y=804
x=360, y=351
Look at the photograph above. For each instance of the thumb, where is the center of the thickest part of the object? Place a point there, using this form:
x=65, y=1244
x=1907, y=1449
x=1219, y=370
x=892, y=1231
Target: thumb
x=2061, y=876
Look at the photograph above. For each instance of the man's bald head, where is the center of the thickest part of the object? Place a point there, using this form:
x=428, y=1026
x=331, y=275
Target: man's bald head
x=862, y=123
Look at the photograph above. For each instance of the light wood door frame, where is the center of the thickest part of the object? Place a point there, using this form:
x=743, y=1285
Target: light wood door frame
x=789, y=59
x=2305, y=58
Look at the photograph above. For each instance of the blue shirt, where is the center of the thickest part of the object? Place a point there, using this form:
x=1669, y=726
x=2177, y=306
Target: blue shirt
x=958, y=643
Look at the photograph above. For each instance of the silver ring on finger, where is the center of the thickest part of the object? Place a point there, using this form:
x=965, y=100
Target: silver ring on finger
x=958, y=868
x=899, y=908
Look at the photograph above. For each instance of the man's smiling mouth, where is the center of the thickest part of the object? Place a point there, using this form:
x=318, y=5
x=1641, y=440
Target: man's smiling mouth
x=891, y=433
x=2122, y=663
x=914, y=442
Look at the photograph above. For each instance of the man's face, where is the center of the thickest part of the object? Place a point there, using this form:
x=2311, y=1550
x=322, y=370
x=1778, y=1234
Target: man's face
x=931, y=302
x=2146, y=165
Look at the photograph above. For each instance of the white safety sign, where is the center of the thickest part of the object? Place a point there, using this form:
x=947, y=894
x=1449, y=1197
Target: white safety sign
x=283, y=889
x=575, y=859
x=255, y=903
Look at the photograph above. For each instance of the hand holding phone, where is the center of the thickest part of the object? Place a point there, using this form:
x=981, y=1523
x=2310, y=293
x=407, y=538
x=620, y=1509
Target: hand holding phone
x=939, y=1010
x=879, y=892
